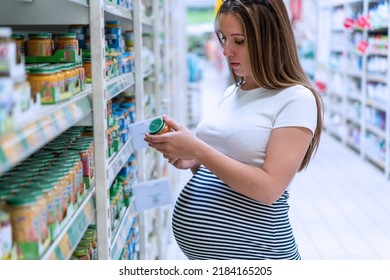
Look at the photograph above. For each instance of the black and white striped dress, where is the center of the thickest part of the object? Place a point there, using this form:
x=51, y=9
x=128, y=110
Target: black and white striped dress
x=212, y=221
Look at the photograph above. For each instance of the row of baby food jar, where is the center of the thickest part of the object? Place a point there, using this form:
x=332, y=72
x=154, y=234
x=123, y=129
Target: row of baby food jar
x=44, y=44
x=121, y=190
x=86, y=249
x=55, y=82
x=40, y=195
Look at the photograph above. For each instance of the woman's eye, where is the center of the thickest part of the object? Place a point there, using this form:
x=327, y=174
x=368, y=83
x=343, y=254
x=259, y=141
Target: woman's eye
x=241, y=42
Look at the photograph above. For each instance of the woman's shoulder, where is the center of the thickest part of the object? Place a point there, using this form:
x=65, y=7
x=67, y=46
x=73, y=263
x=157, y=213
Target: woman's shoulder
x=297, y=89
x=299, y=92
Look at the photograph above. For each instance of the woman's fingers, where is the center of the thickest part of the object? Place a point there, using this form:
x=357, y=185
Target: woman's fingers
x=173, y=124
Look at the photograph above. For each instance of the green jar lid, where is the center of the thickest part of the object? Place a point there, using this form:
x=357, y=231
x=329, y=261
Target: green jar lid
x=17, y=36
x=30, y=192
x=40, y=35
x=156, y=125
x=36, y=163
x=80, y=251
x=54, y=147
x=69, y=154
x=65, y=35
x=43, y=155
x=51, y=181
x=5, y=193
x=41, y=185
x=22, y=174
x=21, y=200
x=44, y=70
x=88, y=236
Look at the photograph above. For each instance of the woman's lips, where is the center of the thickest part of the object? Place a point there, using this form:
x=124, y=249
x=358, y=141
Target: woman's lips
x=234, y=65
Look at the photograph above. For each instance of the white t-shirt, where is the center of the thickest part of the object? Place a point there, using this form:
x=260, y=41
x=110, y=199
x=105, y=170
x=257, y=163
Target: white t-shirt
x=242, y=123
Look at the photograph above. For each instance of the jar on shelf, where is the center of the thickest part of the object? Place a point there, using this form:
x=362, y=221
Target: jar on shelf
x=46, y=82
x=87, y=65
x=48, y=179
x=70, y=79
x=66, y=41
x=113, y=34
x=39, y=44
x=49, y=196
x=90, y=236
x=25, y=220
x=80, y=31
x=81, y=253
x=42, y=210
x=5, y=235
x=20, y=45
x=81, y=77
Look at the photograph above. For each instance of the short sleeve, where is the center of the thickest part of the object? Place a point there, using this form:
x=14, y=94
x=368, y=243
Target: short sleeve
x=299, y=109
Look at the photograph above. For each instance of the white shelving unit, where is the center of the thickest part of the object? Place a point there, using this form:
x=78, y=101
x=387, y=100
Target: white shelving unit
x=152, y=21
x=357, y=100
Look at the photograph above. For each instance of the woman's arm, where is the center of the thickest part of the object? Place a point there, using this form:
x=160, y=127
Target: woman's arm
x=285, y=151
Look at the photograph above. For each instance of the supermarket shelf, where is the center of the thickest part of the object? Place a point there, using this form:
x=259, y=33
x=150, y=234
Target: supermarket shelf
x=353, y=120
x=118, y=161
x=36, y=12
x=377, y=78
x=376, y=104
x=354, y=98
x=148, y=72
x=375, y=160
x=63, y=247
x=80, y=2
x=353, y=145
x=147, y=21
x=120, y=236
x=119, y=84
x=51, y=122
x=116, y=10
x=376, y=130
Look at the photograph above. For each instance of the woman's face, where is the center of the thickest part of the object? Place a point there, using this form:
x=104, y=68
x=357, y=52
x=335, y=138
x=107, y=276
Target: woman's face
x=235, y=45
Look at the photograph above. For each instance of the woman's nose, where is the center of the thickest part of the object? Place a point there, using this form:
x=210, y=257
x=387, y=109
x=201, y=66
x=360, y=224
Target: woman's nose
x=226, y=51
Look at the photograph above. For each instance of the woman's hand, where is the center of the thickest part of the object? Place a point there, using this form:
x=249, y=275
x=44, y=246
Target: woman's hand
x=180, y=144
x=184, y=163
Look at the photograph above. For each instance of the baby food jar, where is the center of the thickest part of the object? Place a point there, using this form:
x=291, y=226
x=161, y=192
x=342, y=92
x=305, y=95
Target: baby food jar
x=5, y=235
x=81, y=253
x=39, y=44
x=66, y=41
x=47, y=83
x=25, y=220
x=87, y=65
x=158, y=126
x=20, y=45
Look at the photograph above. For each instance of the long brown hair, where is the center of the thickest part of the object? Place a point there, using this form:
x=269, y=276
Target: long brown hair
x=273, y=52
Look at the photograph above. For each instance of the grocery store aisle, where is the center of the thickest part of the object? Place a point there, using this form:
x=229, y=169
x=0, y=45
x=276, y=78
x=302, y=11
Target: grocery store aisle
x=340, y=206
